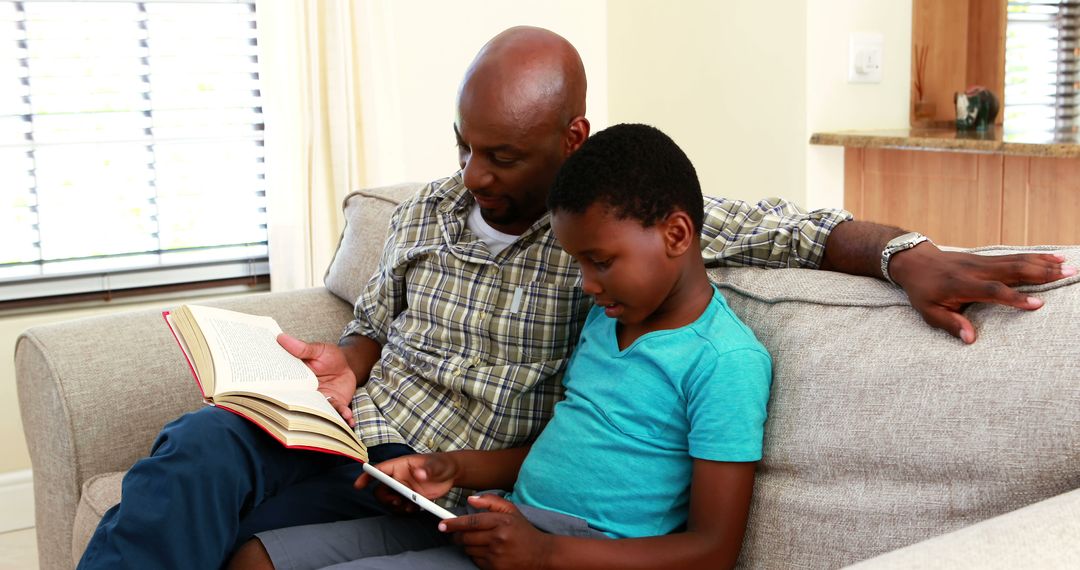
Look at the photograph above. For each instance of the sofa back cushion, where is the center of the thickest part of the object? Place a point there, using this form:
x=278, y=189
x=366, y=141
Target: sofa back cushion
x=367, y=217
x=882, y=431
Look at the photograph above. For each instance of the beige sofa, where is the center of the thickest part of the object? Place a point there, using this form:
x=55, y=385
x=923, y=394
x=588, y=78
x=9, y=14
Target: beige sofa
x=885, y=438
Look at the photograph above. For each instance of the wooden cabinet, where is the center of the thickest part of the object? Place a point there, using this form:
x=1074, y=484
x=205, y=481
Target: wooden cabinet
x=962, y=43
x=966, y=199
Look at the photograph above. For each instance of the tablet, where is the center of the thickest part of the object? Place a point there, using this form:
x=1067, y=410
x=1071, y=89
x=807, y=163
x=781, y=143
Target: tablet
x=408, y=493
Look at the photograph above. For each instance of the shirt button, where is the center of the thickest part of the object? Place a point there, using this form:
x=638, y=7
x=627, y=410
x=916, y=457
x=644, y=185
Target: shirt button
x=431, y=444
x=456, y=372
x=476, y=361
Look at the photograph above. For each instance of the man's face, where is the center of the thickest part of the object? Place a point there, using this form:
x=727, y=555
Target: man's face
x=624, y=265
x=509, y=157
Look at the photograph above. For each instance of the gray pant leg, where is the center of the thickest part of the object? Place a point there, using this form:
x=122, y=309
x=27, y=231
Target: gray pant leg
x=453, y=557
x=320, y=545
x=559, y=524
x=550, y=522
x=393, y=542
x=444, y=558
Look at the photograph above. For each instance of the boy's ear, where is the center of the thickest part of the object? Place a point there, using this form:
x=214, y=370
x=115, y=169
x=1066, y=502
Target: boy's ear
x=679, y=234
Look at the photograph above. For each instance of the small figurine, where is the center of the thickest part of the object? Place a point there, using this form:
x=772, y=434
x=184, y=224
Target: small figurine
x=976, y=109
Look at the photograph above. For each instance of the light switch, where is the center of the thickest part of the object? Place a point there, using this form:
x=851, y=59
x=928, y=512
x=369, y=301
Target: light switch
x=865, y=56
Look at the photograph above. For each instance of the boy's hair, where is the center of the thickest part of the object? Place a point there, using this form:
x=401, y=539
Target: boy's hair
x=635, y=170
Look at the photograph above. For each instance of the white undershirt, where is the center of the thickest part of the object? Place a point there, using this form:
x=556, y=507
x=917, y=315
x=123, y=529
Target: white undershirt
x=495, y=240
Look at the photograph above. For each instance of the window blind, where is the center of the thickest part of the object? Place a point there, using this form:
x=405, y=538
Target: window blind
x=1041, y=66
x=131, y=147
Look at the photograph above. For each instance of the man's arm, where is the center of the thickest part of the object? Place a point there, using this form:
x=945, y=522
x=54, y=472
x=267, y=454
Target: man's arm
x=719, y=507
x=941, y=284
x=776, y=233
x=361, y=353
x=770, y=233
x=344, y=367
x=340, y=368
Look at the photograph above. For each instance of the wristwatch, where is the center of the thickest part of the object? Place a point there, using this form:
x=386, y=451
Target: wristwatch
x=898, y=244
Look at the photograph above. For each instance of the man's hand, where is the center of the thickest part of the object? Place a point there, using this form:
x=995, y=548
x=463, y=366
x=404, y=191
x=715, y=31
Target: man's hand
x=430, y=474
x=501, y=537
x=336, y=379
x=941, y=284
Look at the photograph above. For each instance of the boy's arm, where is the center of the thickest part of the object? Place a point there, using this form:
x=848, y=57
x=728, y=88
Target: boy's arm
x=434, y=474
x=719, y=505
x=496, y=469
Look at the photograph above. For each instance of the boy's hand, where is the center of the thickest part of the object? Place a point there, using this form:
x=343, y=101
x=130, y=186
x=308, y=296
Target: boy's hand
x=501, y=537
x=431, y=474
x=336, y=380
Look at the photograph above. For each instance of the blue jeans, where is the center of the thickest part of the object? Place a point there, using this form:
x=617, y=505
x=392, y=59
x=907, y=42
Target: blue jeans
x=213, y=480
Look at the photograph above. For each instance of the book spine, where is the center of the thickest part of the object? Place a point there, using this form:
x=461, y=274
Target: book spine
x=191, y=367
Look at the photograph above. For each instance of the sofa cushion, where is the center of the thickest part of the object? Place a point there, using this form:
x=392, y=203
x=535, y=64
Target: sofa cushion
x=99, y=494
x=1043, y=535
x=367, y=217
x=883, y=432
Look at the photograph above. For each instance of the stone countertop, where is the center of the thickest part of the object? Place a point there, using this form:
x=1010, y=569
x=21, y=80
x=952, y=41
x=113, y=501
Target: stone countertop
x=999, y=141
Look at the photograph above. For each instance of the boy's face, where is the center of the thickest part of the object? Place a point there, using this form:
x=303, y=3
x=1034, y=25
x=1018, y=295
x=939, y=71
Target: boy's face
x=625, y=267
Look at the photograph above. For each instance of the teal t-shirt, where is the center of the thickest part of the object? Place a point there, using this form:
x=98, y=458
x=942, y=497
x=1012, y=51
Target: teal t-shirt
x=619, y=450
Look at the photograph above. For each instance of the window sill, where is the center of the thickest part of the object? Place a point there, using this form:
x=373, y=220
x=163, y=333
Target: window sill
x=162, y=293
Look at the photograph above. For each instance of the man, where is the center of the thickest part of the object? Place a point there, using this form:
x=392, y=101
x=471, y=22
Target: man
x=461, y=335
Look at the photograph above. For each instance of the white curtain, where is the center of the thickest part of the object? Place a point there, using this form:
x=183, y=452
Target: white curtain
x=309, y=61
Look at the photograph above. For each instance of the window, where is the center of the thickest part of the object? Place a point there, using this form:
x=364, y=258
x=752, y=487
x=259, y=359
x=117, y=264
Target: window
x=131, y=148
x=1041, y=66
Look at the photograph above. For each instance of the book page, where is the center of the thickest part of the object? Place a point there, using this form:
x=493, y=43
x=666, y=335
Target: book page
x=295, y=415
x=169, y=319
x=245, y=352
x=303, y=439
x=311, y=402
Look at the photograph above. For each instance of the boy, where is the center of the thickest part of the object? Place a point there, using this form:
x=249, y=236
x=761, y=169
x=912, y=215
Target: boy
x=656, y=442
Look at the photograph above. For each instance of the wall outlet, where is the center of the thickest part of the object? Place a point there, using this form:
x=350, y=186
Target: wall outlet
x=865, y=57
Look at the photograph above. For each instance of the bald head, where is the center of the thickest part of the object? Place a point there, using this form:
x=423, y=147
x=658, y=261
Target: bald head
x=532, y=73
x=520, y=114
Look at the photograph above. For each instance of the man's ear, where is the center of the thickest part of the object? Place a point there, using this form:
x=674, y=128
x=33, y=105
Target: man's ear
x=679, y=233
x=577, y=132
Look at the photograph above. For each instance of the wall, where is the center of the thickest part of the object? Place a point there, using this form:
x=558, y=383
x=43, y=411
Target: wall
x=833, y=104
x=726, y=80
x=742, y=86
x=415, y=53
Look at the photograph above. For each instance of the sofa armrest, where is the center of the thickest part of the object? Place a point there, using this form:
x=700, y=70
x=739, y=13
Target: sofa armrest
x=1042, y=535
x=93, y=394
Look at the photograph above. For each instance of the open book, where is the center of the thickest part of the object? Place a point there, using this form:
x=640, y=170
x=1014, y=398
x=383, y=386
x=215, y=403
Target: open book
x=240, y=367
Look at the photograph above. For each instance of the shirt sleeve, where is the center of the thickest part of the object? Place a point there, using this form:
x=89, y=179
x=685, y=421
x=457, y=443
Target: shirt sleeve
x=772, y=233
x=726, y=406
x=384, y=295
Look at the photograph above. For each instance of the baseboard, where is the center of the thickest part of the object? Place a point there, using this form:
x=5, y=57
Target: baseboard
x=17, y=496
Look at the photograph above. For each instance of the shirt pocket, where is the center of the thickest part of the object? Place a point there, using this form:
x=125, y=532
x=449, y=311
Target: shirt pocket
x=642, y=406
x=539, y=321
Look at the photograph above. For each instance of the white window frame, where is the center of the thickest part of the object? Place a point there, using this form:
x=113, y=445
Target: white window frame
x=140, y=270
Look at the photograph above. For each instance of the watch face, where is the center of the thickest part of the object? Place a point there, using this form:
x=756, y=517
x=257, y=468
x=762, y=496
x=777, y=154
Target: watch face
x=903, y=239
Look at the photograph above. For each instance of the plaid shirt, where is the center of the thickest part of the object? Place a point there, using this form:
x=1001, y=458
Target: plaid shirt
x=474, y=344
